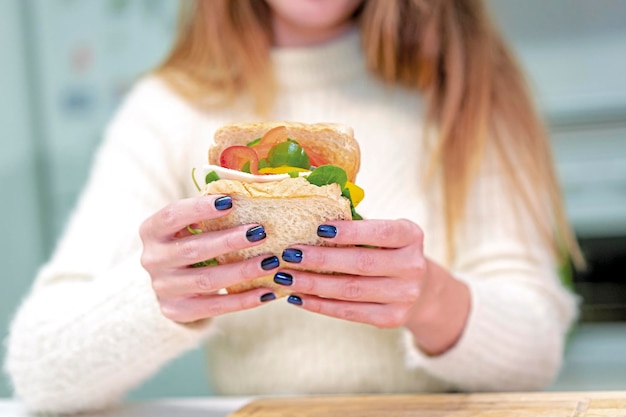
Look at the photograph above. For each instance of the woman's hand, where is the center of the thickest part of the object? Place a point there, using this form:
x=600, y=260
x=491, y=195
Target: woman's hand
x=187, y=293
x=385, y=281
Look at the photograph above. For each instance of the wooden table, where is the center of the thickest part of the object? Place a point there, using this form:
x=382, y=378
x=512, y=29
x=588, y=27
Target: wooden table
x=548, y=404
x=544, y=404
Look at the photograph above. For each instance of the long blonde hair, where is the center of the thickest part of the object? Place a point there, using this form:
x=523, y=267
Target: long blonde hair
x=446, y=49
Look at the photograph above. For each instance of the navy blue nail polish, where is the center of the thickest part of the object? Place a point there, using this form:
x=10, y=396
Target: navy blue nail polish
x=292, y=255
x=270, y=263
x=223, y=203
x=326, y=230
x=283, y=278
x=256, y=233
x=268, y=297
x=294, y=299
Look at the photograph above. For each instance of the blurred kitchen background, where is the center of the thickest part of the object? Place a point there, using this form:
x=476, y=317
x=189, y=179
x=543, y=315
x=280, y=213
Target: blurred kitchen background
x=66, y=64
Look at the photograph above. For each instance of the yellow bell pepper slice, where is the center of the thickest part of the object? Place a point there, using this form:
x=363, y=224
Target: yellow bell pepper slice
x=280, y=170
x=356, y=193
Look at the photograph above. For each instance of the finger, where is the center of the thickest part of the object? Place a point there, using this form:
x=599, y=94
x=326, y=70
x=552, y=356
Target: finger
x=379, y=315
x=187, y=310
x=209, y=279
x=176, y=216
x=193, y=249
x=379, y=233
x=354, y=260
x=349, y=287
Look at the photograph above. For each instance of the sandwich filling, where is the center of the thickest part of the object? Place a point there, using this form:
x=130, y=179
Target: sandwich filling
x=275, y=157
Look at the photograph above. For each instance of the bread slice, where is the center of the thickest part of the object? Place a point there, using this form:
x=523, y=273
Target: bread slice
x=290, y=210
x=334, y=142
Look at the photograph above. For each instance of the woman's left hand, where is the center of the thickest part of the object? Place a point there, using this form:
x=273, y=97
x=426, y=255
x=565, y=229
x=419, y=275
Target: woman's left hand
x=382, y=279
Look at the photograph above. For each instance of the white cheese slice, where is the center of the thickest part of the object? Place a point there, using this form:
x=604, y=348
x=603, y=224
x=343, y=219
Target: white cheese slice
x=231, y=174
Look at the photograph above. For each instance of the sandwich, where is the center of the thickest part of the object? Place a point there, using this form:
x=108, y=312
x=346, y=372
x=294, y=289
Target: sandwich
x=289, y=177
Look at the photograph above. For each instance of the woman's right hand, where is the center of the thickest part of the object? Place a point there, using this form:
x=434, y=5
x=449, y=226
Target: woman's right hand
x=188, y=293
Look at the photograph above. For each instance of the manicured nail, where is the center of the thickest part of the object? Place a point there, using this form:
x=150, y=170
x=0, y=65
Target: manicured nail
x=256, y=233
x=268, y=297
x=270, y=263
x=283, y=278
x=223, y=203
x=292, y=255
x=294, y=299
x=326, y=230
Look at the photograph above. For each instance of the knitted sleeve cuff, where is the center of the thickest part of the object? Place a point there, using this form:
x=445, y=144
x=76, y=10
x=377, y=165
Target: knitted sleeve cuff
x=512, y=341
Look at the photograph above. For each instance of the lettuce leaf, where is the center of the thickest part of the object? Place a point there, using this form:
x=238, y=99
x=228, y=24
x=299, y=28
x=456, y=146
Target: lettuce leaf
x=211, y=176
x=329, y=174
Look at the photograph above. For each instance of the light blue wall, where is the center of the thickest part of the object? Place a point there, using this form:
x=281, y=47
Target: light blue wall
x=46, y=147
x=22, y=244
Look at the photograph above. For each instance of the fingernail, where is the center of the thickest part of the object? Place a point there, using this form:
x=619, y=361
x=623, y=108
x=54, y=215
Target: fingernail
x=256, y=233
x=270, y=263
x=294, y=299
x=283, y=278
x=268, y=297
x=292, y=255
x=326, y=230
x=223, y=203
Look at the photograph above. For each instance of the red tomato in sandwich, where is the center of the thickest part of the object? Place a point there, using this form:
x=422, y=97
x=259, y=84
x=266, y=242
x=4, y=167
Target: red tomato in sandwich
x=316, y=159
x=269, y=139
x=235, y=157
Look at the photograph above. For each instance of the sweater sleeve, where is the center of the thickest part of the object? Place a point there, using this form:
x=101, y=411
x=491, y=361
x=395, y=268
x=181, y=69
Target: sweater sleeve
x=520, y=312
x=91, y=328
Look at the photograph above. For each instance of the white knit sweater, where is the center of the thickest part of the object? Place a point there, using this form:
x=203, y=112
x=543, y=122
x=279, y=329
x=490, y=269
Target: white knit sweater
x=91, y=329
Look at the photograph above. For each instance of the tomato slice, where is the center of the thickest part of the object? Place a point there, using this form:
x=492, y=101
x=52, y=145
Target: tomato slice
x=235, y=157
x=269, y=139
x=316, y=159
